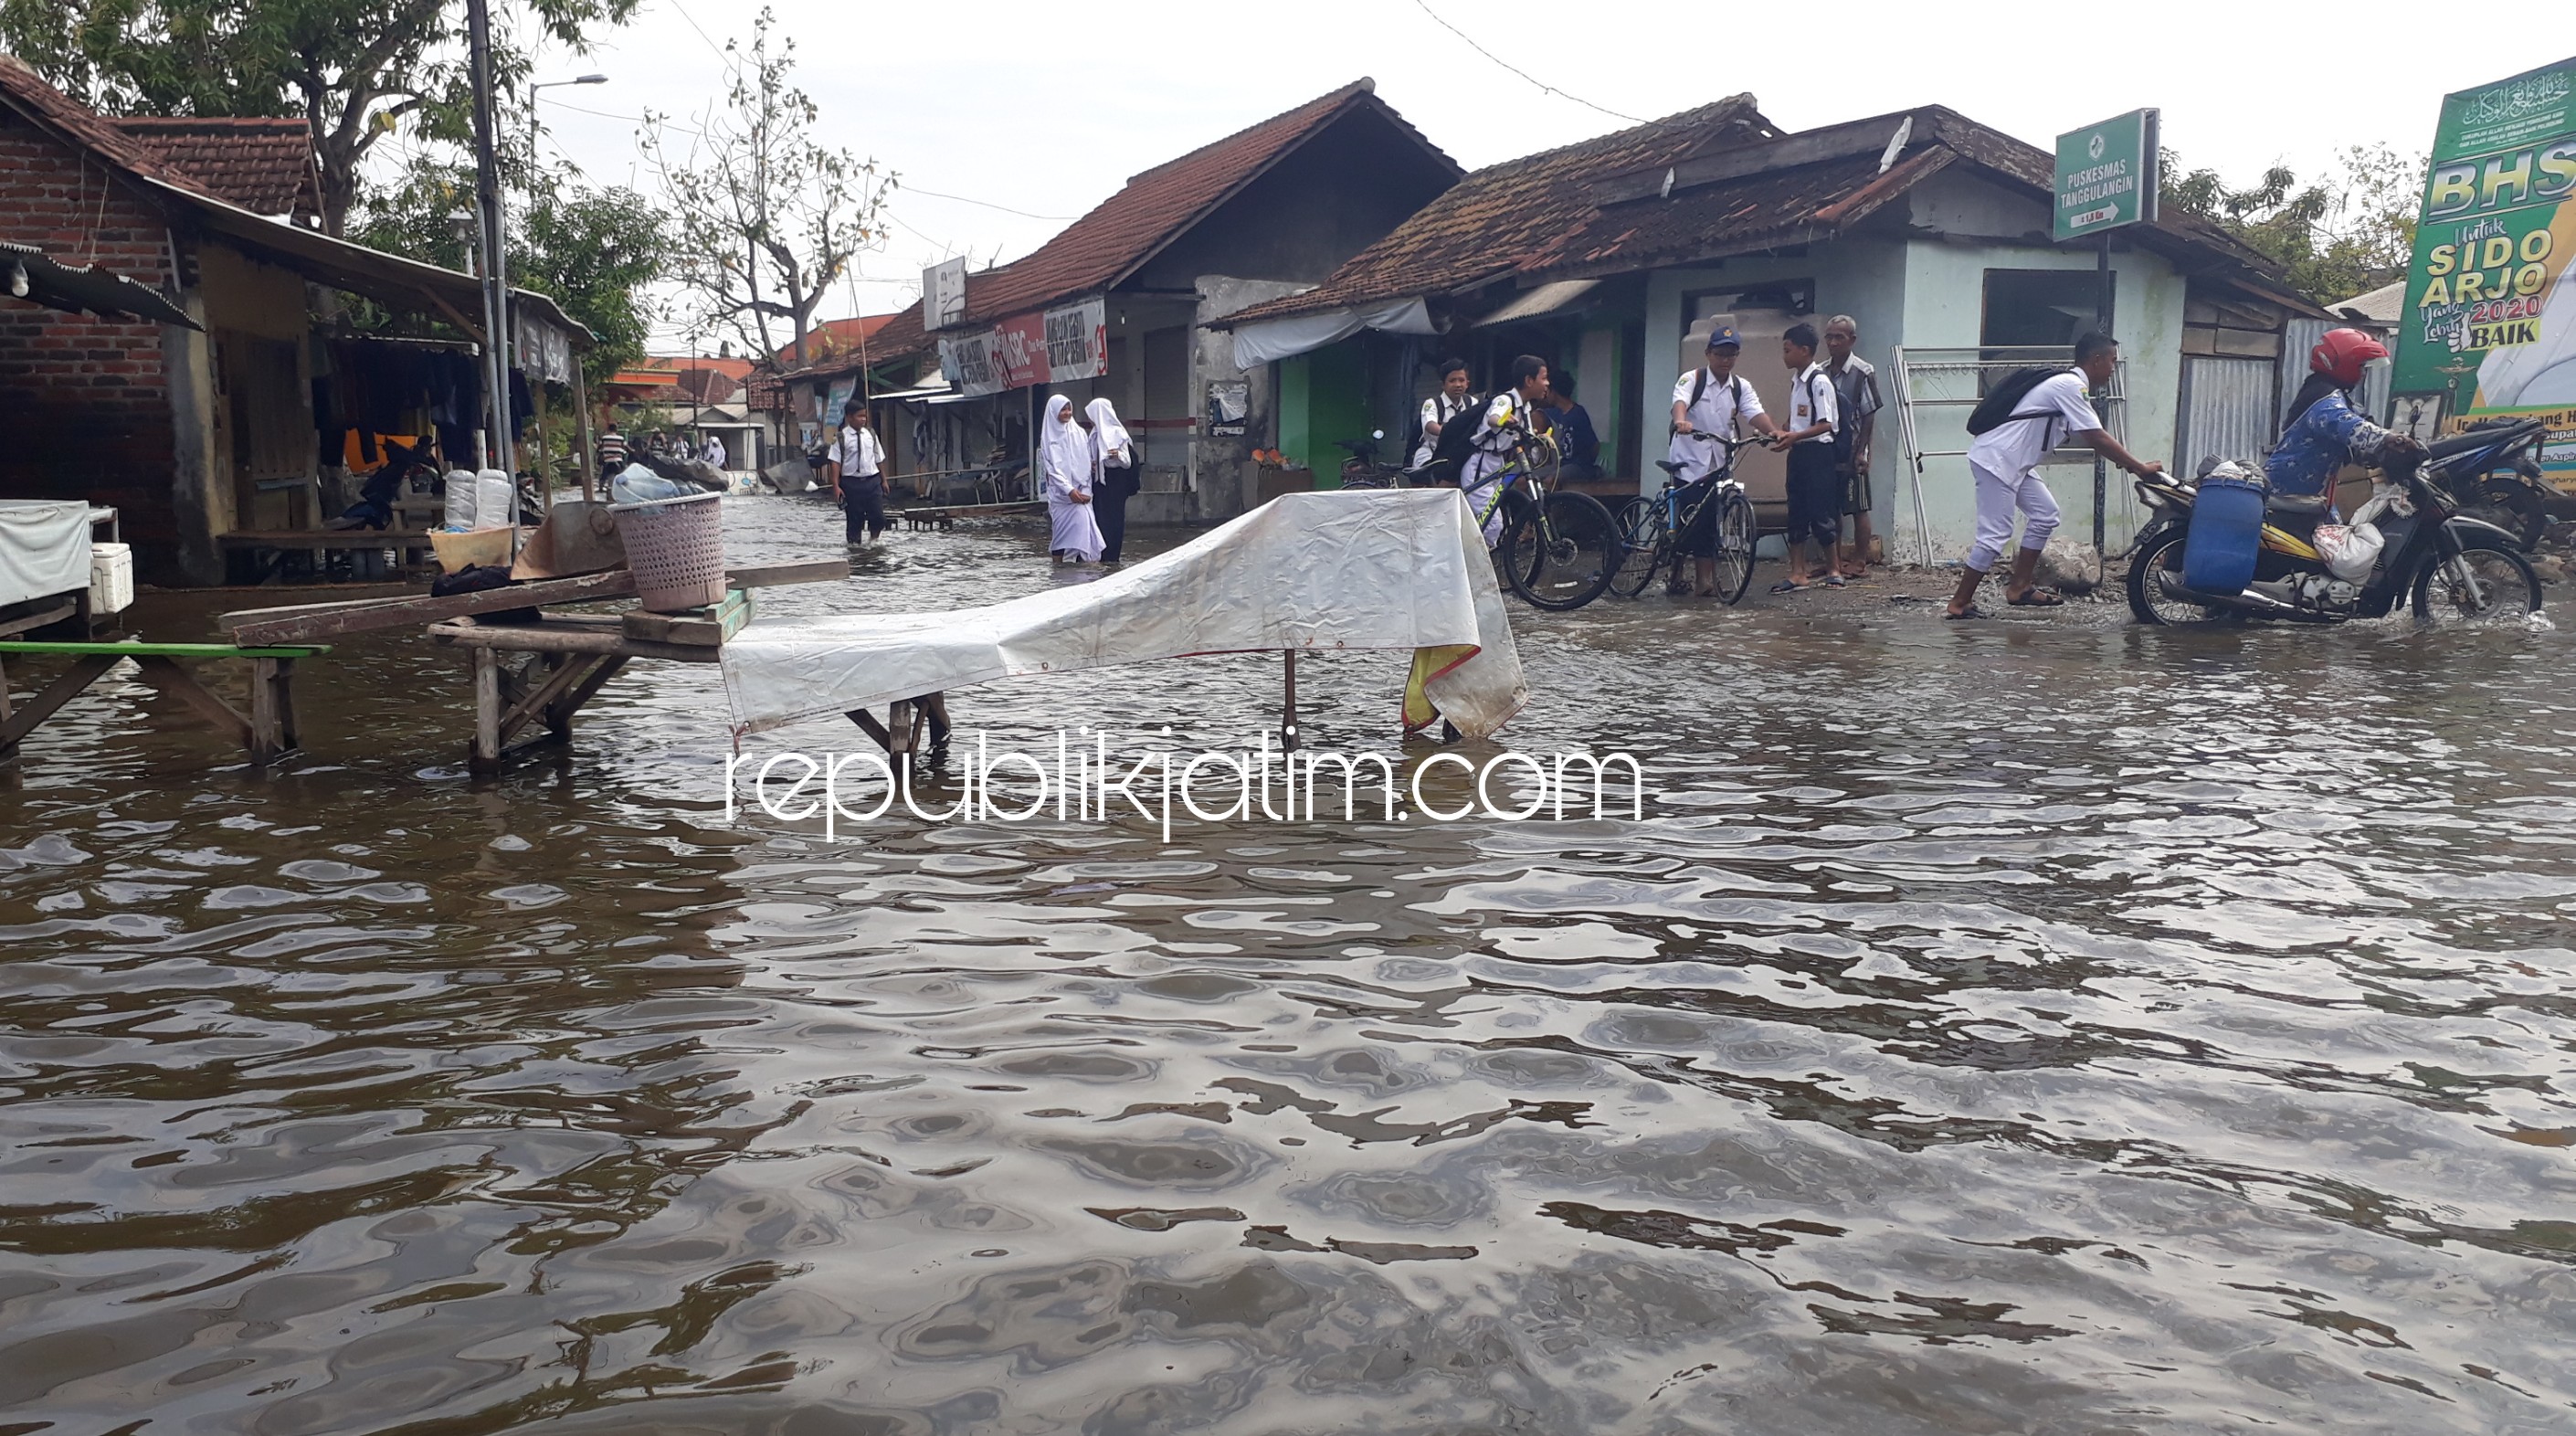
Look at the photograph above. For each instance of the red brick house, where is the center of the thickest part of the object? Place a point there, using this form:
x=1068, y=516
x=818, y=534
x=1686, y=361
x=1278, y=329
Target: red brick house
x=203, y=439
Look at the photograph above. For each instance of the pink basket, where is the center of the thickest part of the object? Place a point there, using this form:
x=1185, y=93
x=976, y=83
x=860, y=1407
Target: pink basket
x=676, y=549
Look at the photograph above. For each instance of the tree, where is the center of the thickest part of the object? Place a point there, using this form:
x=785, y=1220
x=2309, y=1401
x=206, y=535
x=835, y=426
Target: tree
x=356, y=73
x=596, y=252
x=763, y=218
x=2333, y=238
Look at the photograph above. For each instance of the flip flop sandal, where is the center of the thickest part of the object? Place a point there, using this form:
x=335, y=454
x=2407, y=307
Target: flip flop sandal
x=1973, y=612
x=1788, y=586
x=1834, y=580
x=2037, y=598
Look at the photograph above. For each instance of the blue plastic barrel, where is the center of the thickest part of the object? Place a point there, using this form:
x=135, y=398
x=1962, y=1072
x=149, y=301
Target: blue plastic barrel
x=2226, y=533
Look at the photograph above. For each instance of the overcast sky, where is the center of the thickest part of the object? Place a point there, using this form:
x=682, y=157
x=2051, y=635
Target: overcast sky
x=985, y=108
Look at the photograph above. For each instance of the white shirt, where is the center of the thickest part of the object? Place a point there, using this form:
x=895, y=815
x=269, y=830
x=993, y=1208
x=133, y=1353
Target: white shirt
x=714, y=453
x=2012, y=449
x=1811, y=402
x=1725, y=408
x=857, y=453
x=1438, y=409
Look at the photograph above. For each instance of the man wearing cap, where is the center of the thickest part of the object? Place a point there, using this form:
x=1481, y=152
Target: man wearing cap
x=1712, y=399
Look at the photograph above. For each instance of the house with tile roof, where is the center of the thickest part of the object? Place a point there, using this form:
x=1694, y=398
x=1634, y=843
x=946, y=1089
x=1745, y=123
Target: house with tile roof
x=1115, y=303
x=1613, y=258
x=232, y=423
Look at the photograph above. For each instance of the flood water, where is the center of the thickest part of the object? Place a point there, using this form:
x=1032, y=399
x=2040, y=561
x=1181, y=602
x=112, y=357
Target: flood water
x=2043, y=1025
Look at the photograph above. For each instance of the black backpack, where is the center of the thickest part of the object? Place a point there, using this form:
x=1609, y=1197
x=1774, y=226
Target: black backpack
x=1996, y=409
x=1448, y=463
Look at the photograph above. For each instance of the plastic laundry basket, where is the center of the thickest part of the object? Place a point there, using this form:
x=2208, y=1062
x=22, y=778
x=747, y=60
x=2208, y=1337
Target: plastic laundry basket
x=676, y=548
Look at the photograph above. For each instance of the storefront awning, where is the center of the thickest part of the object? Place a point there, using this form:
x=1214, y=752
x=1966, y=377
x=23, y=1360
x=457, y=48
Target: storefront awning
x=38, y=278
x=1267, y=340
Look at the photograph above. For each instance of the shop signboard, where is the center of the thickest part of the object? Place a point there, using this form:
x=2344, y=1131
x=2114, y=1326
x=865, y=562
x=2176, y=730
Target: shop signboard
x=943, y=294
x=2106, y=175
x=2489, y=327
x=1077, y=342
x=1055, y=346
x=971, y=365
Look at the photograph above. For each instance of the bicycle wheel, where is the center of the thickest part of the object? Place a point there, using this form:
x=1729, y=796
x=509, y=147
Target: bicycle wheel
x=1734, y=546
x=1645, y=543
x=1563, y=555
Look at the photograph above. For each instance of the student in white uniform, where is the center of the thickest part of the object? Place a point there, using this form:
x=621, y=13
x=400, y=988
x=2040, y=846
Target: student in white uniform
x=1712, y=399
x=1452, y=401
x=2005, y=461
x=1815, y=485
x=860, y=461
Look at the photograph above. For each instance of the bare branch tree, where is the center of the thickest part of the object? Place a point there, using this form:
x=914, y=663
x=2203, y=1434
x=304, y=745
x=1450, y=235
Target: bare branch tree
x=763, y=217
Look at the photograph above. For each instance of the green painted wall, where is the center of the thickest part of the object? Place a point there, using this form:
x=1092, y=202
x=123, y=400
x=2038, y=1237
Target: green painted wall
x=1323, y=396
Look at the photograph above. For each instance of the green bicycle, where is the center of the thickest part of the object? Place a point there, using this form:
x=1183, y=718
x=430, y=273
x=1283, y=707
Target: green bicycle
x=1651, y=526
x=1558, y=548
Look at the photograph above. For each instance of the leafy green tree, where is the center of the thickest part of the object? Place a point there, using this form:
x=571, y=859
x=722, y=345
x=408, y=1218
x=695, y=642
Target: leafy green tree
x=355, y=72
x=764, y=219
x=2335, y=237
x=597, y=252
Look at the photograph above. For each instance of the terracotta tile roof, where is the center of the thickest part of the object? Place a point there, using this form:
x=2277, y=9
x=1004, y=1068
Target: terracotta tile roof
x=263, y=165
x=27, y=91
x=835, y=338
x=1103, y=247
x=1563, y=214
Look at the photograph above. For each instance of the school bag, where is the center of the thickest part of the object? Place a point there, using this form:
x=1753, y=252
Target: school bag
x=1457, y=440
x=1996, y=409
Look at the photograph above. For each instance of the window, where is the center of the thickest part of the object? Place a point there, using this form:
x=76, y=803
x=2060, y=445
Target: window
x=2038, y=307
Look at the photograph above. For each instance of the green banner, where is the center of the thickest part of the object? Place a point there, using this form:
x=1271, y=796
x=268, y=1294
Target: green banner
x=2489, y=329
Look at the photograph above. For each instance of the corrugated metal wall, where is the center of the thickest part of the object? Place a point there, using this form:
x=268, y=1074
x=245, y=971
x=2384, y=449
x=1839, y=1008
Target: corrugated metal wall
x=2228, y=408
x=2301, y=336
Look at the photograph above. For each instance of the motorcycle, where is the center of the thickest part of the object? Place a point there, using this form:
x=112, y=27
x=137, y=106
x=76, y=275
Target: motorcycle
x=2492, y=472
x=2452, y=568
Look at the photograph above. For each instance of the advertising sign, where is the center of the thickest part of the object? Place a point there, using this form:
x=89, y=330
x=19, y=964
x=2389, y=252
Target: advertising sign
x=2106, y=175
x=1058, y=346
x=943, y=294
x=2489, y=327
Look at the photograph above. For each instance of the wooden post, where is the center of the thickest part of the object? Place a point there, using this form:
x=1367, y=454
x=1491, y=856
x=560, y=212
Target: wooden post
x=1288, y=708
x=581, y=422
x=485, y=759
x=272, y=709
x=545, y=466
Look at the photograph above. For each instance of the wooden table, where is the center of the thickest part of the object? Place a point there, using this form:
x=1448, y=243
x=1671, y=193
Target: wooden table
x=267, y=731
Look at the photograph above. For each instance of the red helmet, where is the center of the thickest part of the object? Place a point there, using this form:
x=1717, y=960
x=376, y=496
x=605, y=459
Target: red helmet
x=2342, y=354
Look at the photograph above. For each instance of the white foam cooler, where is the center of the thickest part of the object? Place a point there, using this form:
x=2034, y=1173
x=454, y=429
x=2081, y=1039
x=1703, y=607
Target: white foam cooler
x=111, y=577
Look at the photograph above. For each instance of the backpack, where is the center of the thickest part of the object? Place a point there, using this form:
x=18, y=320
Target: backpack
x=1996, y=409
x=1457, y=440
x=1734, y=386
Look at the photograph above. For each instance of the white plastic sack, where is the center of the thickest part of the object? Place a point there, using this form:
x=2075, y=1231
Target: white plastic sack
x=460, y=501
x=2350, y=551
x=1399, y=569
x=494, y=498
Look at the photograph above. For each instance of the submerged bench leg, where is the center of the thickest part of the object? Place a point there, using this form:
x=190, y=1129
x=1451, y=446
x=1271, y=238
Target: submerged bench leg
x=485, y=759
x=17, y=725
x=272, y=709
x=177, y=682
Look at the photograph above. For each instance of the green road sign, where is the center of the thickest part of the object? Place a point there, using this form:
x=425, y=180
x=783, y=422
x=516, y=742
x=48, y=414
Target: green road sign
x=2106, y=175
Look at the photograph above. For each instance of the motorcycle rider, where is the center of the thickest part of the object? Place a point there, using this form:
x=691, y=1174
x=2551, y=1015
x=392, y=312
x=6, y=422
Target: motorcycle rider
x=2322, y=431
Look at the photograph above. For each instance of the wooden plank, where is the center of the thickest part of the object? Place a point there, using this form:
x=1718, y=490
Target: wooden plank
x=323, y=539
x=2248, y=344
x=161, y=650
x=25, y=621
x=177, y=682
x=272, y=709
x=307, y=621
x=44, y=705
x=704, y=628
x=780, y=575
x=571, y=704
x=547, y=638
x=564, y=673
x=485, y=756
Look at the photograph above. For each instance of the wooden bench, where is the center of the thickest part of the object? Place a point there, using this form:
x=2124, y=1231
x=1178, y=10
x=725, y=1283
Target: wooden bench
x=267, y=732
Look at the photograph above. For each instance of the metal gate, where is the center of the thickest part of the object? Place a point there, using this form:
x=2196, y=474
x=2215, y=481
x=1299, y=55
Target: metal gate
x=2227, y=411
x=1936, y=389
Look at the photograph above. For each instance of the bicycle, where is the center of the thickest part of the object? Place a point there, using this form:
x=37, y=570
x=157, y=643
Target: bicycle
x=1650, y=528
x=1362, y=470
x=1558, y=549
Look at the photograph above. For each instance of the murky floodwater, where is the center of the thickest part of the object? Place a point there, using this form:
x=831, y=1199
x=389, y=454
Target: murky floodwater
x=2047, y=1026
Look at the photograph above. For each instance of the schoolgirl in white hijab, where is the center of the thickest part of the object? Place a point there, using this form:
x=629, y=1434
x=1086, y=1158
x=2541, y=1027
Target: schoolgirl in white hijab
x=1065, y=459
x=1115, y=476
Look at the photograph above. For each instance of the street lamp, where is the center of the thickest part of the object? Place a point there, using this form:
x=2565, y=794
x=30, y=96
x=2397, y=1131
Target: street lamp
x=532, y=121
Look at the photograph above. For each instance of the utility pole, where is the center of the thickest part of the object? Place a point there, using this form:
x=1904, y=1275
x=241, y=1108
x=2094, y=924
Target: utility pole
x=496, y=281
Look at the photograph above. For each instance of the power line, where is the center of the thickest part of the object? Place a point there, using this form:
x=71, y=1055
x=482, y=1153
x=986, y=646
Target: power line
x=985, y=203
x=1426, y=9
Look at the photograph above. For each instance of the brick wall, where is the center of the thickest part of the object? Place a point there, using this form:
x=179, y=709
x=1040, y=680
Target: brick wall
x=86, y=400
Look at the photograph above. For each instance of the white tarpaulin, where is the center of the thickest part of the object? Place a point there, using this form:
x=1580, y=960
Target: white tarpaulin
x=1264, y=340
x=44, y=548
x=1400, y=569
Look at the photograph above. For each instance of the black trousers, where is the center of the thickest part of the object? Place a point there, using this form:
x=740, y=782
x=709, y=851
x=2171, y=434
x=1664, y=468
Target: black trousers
x=862, y=506
x=1109, y=508
x=1815, y=495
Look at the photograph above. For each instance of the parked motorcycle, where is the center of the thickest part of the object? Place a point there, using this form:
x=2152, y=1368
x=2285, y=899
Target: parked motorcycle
x=2492, y=471
x=2450, y=567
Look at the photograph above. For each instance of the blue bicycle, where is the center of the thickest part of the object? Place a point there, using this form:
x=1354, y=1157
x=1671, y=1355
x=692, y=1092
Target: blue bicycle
x=1651, y=527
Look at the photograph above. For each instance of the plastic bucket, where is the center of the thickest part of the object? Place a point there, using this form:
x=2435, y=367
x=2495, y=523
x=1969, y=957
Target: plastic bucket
x=2226, y=534
x=676, y=549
